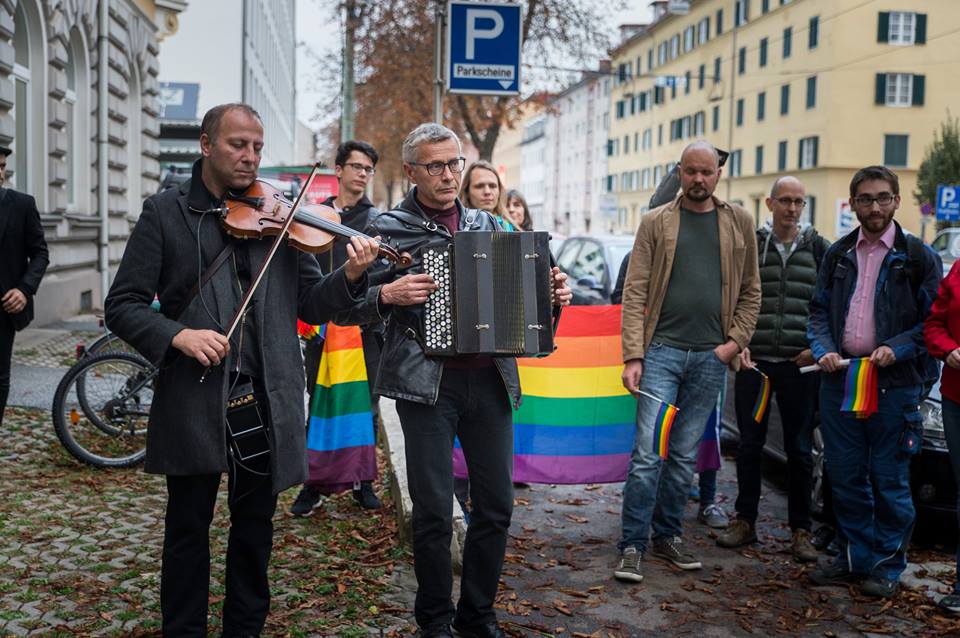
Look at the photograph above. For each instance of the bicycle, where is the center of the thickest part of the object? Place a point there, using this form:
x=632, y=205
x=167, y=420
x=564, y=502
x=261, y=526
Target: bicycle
x=101, y=408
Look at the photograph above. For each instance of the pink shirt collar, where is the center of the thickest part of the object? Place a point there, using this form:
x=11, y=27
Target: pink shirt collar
x=886, y=238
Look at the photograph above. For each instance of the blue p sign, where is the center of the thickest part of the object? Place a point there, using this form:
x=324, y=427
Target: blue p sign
x=948, y=203
x=483, y=47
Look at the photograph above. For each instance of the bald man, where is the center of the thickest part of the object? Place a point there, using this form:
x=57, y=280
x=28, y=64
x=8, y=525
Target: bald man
x=790, y=254
x=690, y=303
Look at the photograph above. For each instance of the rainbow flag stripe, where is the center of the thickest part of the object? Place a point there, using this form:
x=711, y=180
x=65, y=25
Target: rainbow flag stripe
x=763, y=398
x=310, y=332
x=341, y=447
x=860, y=391
x=661, y=428
x=577, y=423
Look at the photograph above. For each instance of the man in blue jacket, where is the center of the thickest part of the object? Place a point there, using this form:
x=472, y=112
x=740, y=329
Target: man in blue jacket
x=874, y=291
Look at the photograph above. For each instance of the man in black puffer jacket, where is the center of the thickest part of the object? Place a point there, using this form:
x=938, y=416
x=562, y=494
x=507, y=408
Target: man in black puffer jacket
x=790, y=258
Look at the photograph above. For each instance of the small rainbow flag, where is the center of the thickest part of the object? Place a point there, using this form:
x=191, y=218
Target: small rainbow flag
x=860, y=389
x=763, y=397
x=661, y=427
x=310, y=332
x=341, y=447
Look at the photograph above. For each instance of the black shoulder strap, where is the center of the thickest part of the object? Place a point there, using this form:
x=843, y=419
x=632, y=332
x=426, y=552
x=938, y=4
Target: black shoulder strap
x=206, y=276
x=915, y=262
x=819, y=250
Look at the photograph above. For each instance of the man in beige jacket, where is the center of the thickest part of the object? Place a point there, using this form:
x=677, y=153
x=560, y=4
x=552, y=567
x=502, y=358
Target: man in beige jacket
x=690, y=303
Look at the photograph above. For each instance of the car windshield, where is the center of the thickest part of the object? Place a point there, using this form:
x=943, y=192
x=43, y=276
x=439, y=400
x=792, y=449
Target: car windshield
x=618, y=251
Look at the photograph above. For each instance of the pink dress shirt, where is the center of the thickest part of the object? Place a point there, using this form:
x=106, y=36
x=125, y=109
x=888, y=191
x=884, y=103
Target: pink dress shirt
x=859, y=332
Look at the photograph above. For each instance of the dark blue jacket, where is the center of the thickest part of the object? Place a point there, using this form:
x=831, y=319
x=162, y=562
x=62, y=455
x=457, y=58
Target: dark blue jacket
x=899, y=310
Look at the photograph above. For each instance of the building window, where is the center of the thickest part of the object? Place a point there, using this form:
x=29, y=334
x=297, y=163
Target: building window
x=735, y=163
x=639, y=65
x=813, y=34
x=808, y=152
x=675, y=46
x=650, y=60
x=703, y=31
x=784, y=99
x=621, y=109
x=716, y=69
x=716, y=119
x=662, y=53
x=740, y=112
x=645, y=179
x=609, y=148
x=673, y=89
x=764, y=6
x=657, y=175
x=761, y=105
x=782, y=156
x=758, y=162
x=699, y=123
x=902, y=28
x=30, y=100
x=763, y=52
x=647, y=139
x=77, y=100
x=900, y=89
x=701, y=77
x=688, y=80
x=626, y=144
x=742, y=61
x=719, y=21
x=811, y=91
x=659, y=134
x=689, y=38
x=810, y=211
x=895, y=150
x=741, y=11
x=787, y=42
x=658, y=95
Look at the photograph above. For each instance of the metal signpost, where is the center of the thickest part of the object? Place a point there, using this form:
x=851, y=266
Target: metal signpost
x=483, y=48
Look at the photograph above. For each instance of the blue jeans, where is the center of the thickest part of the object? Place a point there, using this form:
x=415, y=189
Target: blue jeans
x=951, y=431
x=656, y=490
x=870, y=478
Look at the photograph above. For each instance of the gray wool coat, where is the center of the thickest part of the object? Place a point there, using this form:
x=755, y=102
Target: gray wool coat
x=187, y=433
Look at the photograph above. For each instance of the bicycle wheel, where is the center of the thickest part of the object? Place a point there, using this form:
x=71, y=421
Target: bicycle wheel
x=108, y=343
x=101, y=408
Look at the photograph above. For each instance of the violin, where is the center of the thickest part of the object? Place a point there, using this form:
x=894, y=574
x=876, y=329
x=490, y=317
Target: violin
x=262, y=211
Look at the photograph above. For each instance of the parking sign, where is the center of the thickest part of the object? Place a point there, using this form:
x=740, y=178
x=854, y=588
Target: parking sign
x=483, y=48
x=948, y=203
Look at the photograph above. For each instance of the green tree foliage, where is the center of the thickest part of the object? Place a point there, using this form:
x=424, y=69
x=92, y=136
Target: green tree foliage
x=941, y=162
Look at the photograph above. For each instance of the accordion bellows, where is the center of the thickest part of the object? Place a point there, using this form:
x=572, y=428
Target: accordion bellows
x=494, y=295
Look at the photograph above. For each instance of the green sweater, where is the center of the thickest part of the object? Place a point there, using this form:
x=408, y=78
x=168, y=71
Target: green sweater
x=786, y=289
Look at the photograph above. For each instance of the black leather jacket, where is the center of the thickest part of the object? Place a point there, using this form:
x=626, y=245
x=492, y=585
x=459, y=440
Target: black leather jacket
x=405, y=371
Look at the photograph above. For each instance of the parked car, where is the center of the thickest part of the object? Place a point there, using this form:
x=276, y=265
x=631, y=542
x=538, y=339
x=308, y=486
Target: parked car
x=947, y=244
x=592, y=264
x=931, y=477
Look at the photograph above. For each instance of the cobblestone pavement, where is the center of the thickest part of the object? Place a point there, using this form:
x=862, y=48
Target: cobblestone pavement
x=80, y=552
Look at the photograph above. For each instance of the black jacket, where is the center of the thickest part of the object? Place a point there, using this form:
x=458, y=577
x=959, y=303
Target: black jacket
x=405, y=371
x=186, y=433
x=23, y=250
x=787, y=289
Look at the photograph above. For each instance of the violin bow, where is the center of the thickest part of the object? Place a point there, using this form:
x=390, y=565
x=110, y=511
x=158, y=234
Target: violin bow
x=248, y=296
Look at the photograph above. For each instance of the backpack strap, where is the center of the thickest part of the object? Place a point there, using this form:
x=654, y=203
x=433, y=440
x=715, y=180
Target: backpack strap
x=914, y=262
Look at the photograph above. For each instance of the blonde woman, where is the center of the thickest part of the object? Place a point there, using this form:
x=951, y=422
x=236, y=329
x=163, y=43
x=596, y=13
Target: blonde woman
x=481, y=188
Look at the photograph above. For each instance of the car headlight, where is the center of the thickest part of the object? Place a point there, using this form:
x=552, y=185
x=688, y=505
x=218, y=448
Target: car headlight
x=932, y=415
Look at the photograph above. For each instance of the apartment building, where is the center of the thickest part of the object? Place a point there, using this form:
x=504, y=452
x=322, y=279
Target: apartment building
x=811, y=88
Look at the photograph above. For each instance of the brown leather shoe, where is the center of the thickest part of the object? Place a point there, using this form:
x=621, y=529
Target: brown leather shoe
x=802, y=546
x=739, y=533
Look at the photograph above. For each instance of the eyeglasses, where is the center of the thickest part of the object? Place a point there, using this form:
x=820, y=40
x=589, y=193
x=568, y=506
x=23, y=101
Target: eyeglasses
x=360, y=168
x=436, y=168
x=786, y=201
x=883, y=199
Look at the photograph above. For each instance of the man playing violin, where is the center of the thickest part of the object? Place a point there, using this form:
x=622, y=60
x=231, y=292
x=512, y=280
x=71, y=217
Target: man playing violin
x=438, y=398
x=180, y=252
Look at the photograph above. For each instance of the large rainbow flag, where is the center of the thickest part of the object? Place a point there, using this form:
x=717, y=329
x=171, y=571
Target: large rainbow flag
x=341, y=448
x=577, y=422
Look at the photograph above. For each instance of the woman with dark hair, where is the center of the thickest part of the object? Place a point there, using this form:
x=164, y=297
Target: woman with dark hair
x=481, y=188
x=517, y=211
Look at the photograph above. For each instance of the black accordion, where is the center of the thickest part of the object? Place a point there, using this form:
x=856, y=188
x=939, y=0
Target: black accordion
x=494, y=295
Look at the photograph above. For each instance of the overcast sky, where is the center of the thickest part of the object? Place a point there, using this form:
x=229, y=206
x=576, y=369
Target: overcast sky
x=317, y=30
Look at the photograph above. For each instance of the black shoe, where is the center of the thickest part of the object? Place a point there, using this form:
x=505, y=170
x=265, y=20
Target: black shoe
x=307, y=500
x=490, y=630
x=833, y=575
x=822, y=537
x=880, y=587
x=950, y=603
x=365, y=496
x=436, y=631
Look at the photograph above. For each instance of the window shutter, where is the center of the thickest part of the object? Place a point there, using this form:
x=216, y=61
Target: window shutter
x=883, y=27
x=881, y=96
x=918, y=89
x=816, y=150
x=920, y=28
x=800, y=146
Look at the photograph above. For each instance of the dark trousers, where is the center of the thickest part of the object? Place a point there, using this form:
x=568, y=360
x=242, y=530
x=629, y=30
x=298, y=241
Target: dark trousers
x=474, y=406
x=185, y=575
x=6, y=353
x=796, y=397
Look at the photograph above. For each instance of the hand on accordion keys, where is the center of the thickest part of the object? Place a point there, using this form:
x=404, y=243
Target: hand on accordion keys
x=409, y=290
x=562, y=295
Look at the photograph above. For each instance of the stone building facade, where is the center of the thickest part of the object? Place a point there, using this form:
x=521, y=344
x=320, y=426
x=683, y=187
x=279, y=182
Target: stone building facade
x=50, y=92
